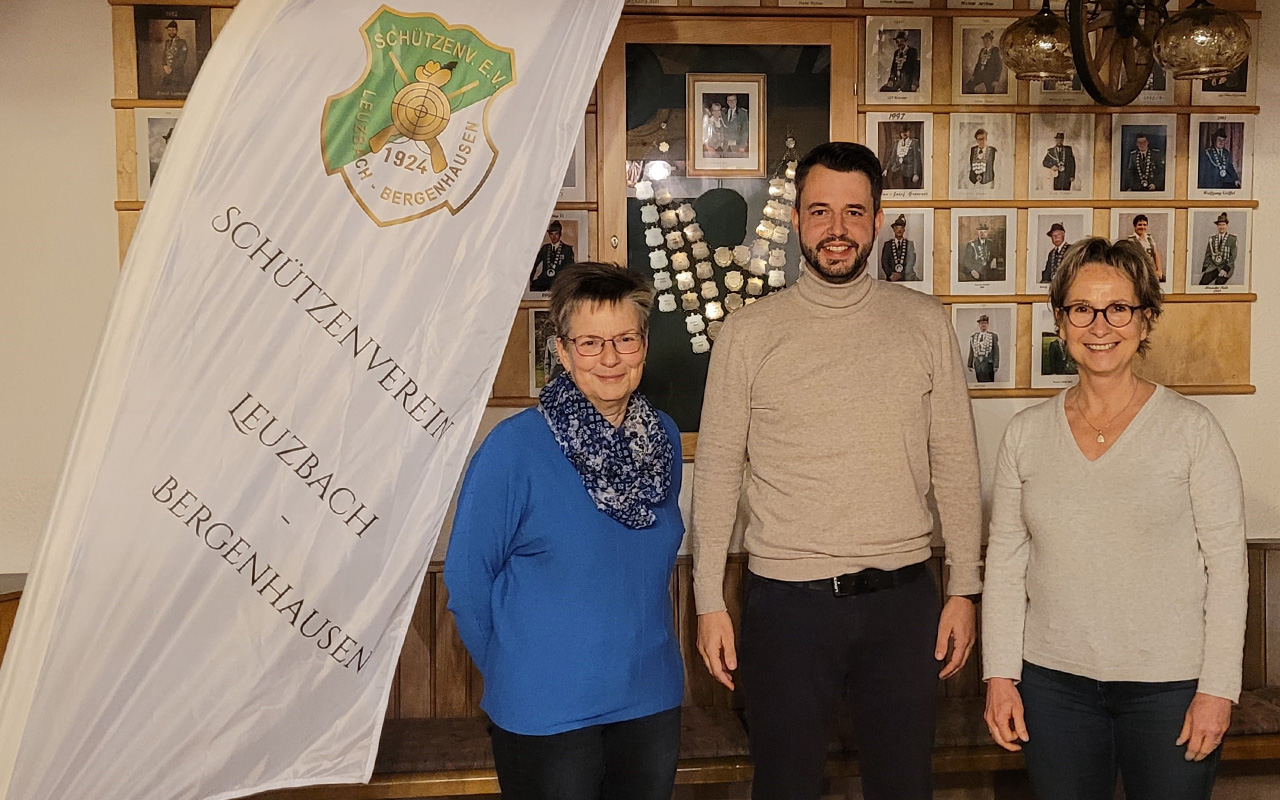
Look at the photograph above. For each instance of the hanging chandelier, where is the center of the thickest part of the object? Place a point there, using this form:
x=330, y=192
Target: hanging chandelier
x=1038, y=48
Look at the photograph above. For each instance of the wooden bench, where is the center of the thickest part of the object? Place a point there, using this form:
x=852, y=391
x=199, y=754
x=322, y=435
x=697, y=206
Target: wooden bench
x=451, y=757
x=434, y=742
x=426, y=753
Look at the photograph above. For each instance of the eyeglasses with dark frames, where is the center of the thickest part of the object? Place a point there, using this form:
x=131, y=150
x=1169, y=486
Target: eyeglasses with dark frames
x=624, y=344
x=1117, y=315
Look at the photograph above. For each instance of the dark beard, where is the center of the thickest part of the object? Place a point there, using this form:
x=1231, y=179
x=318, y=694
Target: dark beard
x=859, y=262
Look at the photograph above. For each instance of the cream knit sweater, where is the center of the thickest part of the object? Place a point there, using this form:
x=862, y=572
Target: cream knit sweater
x=851, y=403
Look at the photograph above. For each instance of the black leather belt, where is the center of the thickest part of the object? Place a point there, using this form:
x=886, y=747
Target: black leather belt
x=868, y=580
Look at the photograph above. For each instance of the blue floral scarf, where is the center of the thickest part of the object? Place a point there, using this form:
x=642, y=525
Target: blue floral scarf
x=626, y=470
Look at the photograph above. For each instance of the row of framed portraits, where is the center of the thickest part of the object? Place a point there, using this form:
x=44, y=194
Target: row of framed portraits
x=1060, y=156
x=988, y=338
x=153, y=127
x=900, y=69
x=984, y=253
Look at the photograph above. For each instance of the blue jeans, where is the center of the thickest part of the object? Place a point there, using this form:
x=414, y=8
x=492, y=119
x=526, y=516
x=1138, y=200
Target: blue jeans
x=630, y=760
x=1083, y=731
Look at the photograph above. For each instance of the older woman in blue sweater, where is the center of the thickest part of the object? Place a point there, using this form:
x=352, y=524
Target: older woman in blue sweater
x=558, y=566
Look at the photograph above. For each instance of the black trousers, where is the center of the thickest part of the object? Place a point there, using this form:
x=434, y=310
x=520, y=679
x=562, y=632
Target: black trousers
x=804, y=651
x=630, y=760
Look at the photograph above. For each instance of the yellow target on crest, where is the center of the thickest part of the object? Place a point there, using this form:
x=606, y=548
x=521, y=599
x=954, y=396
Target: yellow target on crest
x=420, y=110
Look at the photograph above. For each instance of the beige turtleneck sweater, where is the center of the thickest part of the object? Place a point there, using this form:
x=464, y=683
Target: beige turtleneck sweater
x=851, y=403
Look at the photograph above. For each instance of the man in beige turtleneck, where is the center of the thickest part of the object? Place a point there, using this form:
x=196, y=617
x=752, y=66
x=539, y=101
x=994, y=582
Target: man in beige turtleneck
x=848, y=395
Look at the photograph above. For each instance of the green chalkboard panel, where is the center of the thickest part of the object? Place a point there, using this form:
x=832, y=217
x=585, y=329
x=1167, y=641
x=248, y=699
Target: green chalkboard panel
x=798, y=87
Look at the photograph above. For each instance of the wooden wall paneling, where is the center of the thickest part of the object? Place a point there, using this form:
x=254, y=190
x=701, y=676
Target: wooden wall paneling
x=1102, y=225
x=512, y=379
x=611, y=144
x=1177, y=279
x=8, y=613
x=1022, y=375
x=451, y=674
x=1180, y=172
x=416, y=657
x=941, y=160
x=475, y=690
x=942, y=251
x=126, y=156
x=845, y=63
x=1255, y=628
x=1102, y=156
x=685, y=624
x=127, y=222
x=124, y=52
x=593, y=223
x=1020, y=254
x=1271, y=611
x=217, y=20
x=591, y=135
x=942, y=76
x=1200, y=343
x=1021, y=155
x=393, y=698
x=735, y=584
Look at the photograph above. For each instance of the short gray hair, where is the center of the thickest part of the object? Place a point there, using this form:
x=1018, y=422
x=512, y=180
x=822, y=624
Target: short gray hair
x=1125, y=255
x=596, y=282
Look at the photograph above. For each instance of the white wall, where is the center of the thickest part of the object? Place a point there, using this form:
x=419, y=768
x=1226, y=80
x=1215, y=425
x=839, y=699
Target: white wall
x=58, y=267
x=58, y=263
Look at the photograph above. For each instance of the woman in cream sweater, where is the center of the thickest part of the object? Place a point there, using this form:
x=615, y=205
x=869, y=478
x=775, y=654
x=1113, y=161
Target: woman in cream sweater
x=1114, y=608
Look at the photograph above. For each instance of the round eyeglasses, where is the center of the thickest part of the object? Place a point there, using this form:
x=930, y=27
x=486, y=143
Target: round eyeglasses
x=623, y=344
x=1117, y=315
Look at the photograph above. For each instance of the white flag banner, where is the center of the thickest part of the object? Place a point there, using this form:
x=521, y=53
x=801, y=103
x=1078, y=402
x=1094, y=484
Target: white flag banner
x=298, y=355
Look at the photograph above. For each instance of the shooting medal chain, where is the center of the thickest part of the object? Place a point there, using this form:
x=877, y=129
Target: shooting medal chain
x=1218, y=248
x=899, y=254
x=1145, y=166
x=1220, y=158
x=1101, y=438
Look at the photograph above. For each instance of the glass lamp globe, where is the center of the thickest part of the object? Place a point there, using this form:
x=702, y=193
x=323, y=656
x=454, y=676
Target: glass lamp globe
x=1038, y=48
x=1202, y=42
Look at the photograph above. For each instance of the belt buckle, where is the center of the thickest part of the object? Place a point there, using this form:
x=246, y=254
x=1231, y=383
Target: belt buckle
x=850, y=587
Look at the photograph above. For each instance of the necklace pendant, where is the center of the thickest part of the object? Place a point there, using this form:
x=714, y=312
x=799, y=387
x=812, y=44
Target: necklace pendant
x=1102, y=439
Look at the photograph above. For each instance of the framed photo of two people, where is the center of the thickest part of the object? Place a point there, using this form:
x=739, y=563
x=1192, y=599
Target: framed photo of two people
x=725, y=127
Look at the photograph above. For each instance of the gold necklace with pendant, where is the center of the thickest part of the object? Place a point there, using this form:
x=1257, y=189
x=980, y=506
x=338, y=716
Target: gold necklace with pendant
x=1103, y=439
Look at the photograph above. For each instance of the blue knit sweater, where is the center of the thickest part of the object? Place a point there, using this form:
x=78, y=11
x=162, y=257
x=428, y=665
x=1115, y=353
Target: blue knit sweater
x=565, y=611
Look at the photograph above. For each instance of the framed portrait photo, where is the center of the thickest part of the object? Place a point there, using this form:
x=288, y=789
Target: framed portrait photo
x=983, y=244
x=567, y=240
x=903, y=251
x=725, y=118
x=899, y=59
x=1220, y=165
x=1061, y=157
x=574, y=188
x=903, y=141
x=544, y=360
x=1142, y=155
x=1153, y=229
x=152, y=128
x=1240, y=88
x=1050, y=231
x=988, y=337
x=1218, y=250
x=982, y=157
x=979, y=74
x=1051, y=364
x=172, y=42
